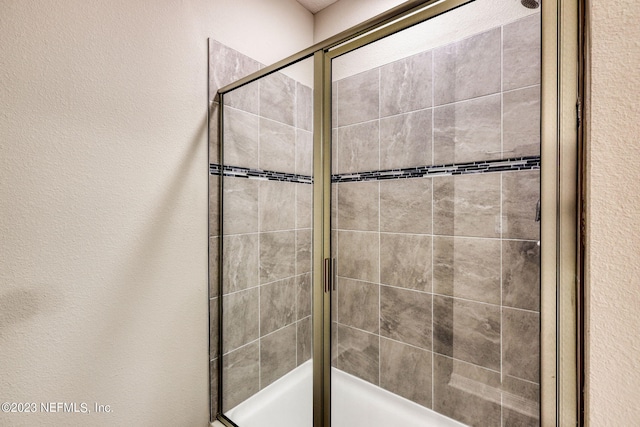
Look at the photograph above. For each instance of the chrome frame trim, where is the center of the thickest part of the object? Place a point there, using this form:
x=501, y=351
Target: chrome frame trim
x=384, y=18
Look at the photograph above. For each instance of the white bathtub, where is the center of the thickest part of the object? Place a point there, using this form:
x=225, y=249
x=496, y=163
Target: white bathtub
x=354, y=403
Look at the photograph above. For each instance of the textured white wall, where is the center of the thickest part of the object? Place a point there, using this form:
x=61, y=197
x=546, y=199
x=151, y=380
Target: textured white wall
x=103, y=202
x=613, y=264
x=103, y=279
x=344, y=14
x=267, y=31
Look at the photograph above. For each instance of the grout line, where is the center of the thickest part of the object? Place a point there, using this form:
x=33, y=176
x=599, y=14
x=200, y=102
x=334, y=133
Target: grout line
x=433, y=105
x=501, y=219
x=260, y=117
x=441, y=295
x=260, y=84
x=295, y=261
x=468, y=363
x=263, y=336
x=433, y=157
x=511, y=239
x=337, y=207
x=475, y=98
x=521, y=88
x=435, y=235
x=379, y=227
x=288, y=230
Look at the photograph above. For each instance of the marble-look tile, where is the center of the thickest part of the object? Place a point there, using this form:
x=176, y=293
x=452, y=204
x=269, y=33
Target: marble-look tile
x=467, y=131
x=304, y=152
x=277, y=146
x=214, y=322
x=304, y=107
x=277, y=354
x=304, y=205
x=334, y=150
x=334, y=212
x=521, y=57
x=240, y=208
x=335, y=301
x=405, y=261
x=520, y=194
x=214, y=266
x=358, y=206
x=521, y=122
x=240, y=375
x=239, y=319
x=334, y=249
x=521, y=274
x=241, y=135
x=358, y=255
x=405, y=140
x=521, y=344
x=245, y=98
x=334, y=344
x=214, y=205
x=467, y=205
x=277, y=205
x=334, y=105
x=277, y=255
x=520, y=403
x=467, y=331
x=277, y=305
x=358, y=304
x=468, y=68
x=278, y=98
x=213, y=385
x=467, y=268
x=467, y=393
x=303, y=295
x=406, y=371
x=305, y=333
x=303, y=251
x=214, y=138
x=405, y=85
x=359, y=353
x=358, y=148
x=240, y=265
x=358, y=98
x=406, y=316
x=405, y=205
x=226, y=66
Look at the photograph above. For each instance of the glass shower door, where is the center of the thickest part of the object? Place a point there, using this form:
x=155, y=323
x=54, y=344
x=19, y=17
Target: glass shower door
x=266, y=272
x=435, y=232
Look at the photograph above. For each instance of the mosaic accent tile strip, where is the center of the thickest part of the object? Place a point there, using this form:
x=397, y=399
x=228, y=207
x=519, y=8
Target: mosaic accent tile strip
x=485, y=166
x=240, y=172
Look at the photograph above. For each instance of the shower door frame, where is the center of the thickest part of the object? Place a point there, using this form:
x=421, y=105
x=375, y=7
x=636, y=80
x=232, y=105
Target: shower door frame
x=561, y=83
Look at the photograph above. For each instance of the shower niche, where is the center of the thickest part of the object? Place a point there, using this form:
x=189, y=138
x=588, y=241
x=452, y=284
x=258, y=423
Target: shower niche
x=374, y=237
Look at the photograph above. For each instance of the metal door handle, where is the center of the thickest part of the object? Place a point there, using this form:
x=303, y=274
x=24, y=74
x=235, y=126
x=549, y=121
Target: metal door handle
x=328, y=273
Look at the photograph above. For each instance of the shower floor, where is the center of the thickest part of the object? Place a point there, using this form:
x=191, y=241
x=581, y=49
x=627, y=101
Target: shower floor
x=288, y=403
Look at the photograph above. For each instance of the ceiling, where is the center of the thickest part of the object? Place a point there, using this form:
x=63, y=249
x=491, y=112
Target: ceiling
x=314, y=6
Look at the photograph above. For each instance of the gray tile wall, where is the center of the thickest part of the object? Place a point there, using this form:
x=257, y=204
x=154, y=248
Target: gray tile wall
x=266, y=262
x=438, y=278
x=438, y=287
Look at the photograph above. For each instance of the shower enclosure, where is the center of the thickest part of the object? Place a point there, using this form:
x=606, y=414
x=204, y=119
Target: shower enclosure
x=375, y=239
